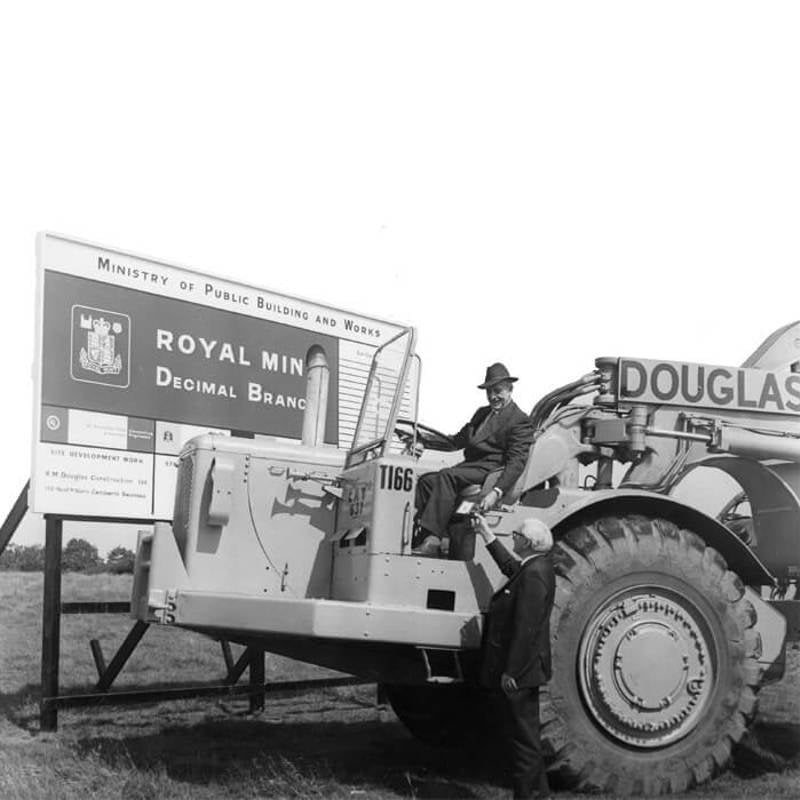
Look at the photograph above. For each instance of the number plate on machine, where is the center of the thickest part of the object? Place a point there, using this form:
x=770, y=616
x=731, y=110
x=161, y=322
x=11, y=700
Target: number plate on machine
x=395, y=478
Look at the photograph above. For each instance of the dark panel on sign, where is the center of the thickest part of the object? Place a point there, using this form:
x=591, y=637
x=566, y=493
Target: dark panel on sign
x=141, y=435
x=121, y=351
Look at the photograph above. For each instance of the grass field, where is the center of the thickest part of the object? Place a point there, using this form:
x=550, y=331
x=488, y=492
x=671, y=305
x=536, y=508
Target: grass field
x=331, y=743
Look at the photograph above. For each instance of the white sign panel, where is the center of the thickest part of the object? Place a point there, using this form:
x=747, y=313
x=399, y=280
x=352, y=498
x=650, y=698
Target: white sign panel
x=136, y=356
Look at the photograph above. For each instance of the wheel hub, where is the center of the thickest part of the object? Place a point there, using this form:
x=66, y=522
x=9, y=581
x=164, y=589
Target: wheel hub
x=645, y=668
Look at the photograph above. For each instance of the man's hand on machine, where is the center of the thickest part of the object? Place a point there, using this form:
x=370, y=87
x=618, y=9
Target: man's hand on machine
x=488, y=501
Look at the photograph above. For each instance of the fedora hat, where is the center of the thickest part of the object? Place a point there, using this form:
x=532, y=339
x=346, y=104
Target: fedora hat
x=494, y=374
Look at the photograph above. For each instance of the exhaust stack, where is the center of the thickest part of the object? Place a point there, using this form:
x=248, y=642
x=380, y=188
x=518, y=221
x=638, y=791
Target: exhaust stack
x=316, y=412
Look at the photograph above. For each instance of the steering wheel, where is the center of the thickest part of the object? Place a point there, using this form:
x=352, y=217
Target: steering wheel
x=429, y=438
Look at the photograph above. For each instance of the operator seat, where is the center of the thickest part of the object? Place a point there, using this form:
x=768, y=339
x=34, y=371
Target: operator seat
x=553, y=453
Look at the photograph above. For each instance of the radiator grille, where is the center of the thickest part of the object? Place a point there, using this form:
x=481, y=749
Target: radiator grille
x=183, y=500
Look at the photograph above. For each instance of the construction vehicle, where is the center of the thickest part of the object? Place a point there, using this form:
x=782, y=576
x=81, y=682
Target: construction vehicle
x=666, y=622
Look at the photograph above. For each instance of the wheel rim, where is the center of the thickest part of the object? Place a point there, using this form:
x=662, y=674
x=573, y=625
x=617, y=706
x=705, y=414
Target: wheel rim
x=645, y=664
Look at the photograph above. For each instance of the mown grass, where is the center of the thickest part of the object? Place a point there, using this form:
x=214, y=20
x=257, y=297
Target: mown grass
x=164, y=656
x=330, y=743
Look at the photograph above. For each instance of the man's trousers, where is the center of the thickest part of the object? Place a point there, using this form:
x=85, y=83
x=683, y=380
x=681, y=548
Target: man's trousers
x=528, y=775
x=437, y=494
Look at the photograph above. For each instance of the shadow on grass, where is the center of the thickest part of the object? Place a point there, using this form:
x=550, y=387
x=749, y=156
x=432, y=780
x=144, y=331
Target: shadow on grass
x=366, y=755
x=767, y=747
x=21, y=707
x=271, y=758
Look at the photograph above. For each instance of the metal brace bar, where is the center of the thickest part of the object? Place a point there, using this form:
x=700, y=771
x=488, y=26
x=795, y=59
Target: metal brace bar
x=227, y=655
x=14, y=518
x=239, y=667
x=122, y=655
x=167, y=694
x=97, y=655
x=96, y=607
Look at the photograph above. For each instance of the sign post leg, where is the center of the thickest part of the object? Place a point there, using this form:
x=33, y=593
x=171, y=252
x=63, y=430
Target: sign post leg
x=51, y=623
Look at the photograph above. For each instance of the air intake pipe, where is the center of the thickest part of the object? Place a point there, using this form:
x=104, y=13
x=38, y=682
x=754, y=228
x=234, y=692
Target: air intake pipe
x=316, y=411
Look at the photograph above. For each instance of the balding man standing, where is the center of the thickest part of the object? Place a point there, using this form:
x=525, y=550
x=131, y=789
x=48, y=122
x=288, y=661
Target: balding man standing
x=516, y=655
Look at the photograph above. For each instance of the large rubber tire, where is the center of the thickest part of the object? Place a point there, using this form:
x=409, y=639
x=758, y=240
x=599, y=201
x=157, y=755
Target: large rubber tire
x=654, y=659
x=453, y=715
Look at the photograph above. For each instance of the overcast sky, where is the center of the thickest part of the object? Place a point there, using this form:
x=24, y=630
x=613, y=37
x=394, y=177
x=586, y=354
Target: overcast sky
x=539, y=184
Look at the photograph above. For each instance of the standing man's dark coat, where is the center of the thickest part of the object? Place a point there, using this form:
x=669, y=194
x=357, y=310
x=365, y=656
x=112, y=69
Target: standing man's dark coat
x=517, y=644
x=517, y=636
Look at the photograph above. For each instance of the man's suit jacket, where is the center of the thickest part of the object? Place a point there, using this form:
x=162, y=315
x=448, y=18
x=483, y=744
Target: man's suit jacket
x=504, y=441
x=517, y=634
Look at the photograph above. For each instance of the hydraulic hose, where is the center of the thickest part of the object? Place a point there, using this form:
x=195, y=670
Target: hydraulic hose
x=564, y=394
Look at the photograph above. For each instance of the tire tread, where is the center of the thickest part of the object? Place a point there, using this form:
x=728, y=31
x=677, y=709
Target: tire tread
x=589, y=549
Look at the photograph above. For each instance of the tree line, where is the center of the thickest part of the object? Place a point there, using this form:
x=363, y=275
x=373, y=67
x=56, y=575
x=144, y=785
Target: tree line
x=78, y=555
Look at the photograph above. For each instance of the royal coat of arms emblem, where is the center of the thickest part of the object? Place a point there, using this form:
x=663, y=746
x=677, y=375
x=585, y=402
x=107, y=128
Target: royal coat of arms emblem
x=99, y=353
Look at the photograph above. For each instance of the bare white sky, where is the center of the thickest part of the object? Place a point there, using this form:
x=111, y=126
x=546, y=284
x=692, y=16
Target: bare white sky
x=533, y=183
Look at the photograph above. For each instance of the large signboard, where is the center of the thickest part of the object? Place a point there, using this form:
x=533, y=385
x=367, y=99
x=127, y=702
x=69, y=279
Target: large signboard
x=135, y=356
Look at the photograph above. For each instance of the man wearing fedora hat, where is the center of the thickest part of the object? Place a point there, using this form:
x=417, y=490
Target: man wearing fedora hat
x=497, y=438
x=516, y=644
